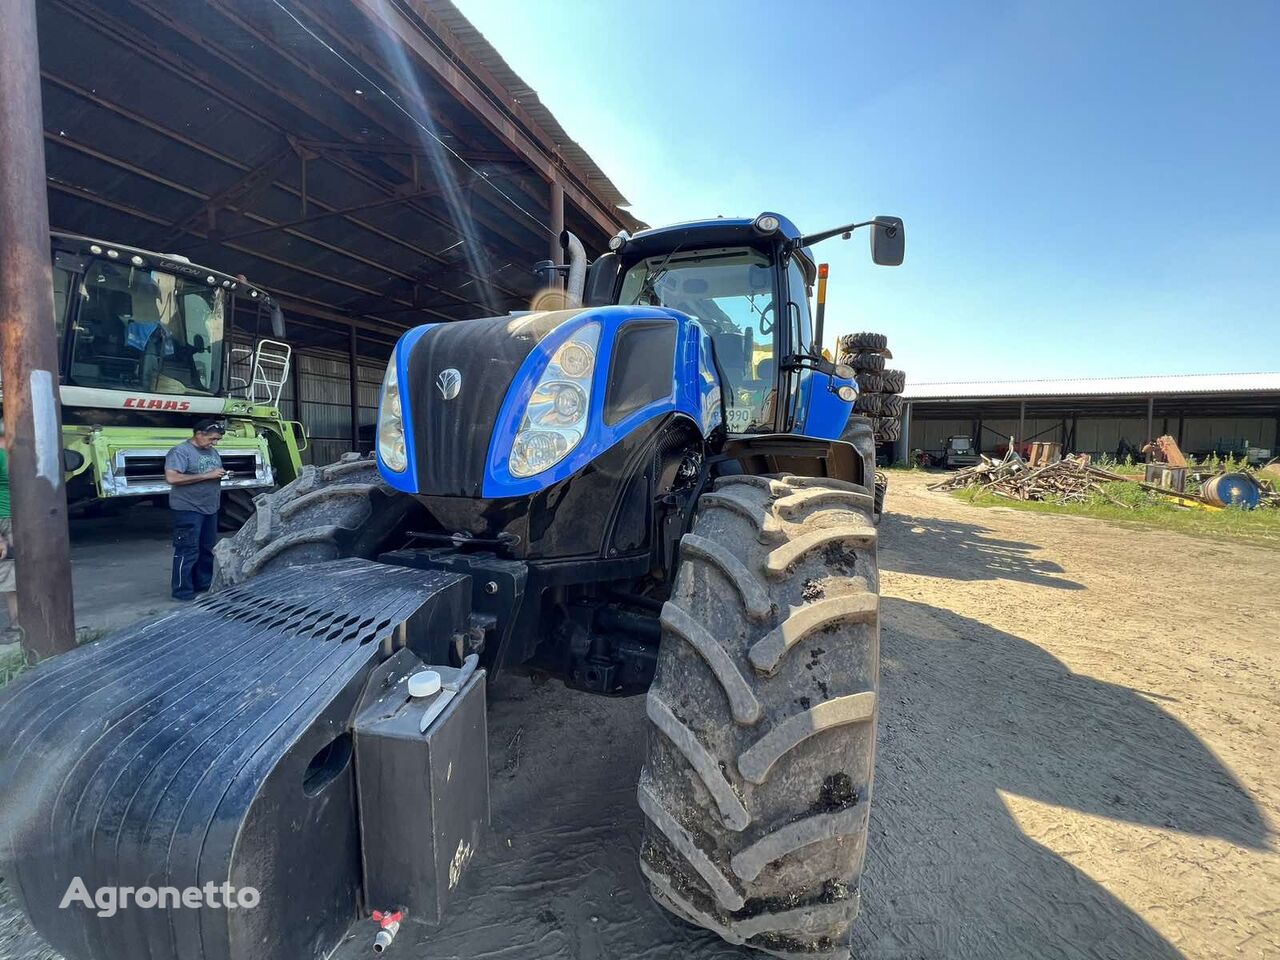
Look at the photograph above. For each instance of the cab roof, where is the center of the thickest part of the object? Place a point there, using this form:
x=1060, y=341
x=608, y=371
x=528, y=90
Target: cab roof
x=717, y=232
x=168, y=262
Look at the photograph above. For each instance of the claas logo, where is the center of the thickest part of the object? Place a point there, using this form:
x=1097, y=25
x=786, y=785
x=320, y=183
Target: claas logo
x=150, y=403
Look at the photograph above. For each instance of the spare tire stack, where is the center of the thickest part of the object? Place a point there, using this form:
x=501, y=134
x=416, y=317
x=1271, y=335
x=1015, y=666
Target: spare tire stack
x=879, y=389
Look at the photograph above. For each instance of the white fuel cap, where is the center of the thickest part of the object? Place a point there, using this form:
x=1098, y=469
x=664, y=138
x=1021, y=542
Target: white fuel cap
x=425, y=683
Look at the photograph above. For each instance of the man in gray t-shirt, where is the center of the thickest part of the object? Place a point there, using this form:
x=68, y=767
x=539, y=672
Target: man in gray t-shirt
x=194, y=472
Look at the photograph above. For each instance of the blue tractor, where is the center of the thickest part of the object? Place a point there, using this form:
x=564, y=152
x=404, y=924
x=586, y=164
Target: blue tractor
x=660, y=489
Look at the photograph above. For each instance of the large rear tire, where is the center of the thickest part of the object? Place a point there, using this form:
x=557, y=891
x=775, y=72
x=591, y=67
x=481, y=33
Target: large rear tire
x=342, y=510
x=762, y=716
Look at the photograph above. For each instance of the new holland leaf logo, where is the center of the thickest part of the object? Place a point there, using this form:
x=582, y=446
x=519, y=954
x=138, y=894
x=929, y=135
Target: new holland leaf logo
x=449, y=383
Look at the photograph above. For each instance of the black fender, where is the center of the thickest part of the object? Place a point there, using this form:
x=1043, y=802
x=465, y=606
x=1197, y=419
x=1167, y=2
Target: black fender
x=851, y=458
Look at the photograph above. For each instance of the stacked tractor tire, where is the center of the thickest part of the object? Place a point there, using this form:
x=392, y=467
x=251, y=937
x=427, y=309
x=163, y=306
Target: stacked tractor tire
x=879, y=389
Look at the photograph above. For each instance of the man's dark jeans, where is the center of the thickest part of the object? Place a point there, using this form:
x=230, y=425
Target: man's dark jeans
x=194, y=535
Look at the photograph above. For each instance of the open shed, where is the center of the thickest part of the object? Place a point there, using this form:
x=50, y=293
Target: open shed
x=1105, y=415
x=373, y=164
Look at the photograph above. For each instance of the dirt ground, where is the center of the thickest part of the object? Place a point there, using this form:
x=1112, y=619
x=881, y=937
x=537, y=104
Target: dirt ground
x=1079, y=735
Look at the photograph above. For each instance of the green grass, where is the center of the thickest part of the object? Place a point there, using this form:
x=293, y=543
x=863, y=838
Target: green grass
x=1148, y=509
x=11, y=664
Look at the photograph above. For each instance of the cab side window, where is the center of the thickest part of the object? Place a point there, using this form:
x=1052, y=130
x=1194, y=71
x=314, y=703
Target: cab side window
x=798, y=293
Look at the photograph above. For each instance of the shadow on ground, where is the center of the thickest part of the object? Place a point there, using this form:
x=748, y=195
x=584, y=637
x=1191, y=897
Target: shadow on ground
x=969, y=712
x=933, y=547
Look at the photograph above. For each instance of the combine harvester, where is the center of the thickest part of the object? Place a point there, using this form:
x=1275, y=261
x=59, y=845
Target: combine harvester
x=662, y=491
x=145, y=352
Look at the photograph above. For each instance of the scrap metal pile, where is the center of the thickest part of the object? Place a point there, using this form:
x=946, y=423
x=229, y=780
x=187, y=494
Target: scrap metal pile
x=1073, y=479
x=1070, y=480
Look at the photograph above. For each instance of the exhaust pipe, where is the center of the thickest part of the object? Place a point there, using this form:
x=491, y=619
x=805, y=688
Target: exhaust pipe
x=577, y=268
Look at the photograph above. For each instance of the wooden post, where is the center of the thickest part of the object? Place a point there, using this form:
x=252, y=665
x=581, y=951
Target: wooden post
x=28, y=341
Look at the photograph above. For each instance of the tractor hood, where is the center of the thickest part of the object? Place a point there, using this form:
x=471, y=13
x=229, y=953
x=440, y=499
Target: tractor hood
x=465, y=390
x=456, y=378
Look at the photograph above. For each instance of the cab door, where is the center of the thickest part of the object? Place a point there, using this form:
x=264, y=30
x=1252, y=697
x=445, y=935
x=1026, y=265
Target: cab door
x=797, y=339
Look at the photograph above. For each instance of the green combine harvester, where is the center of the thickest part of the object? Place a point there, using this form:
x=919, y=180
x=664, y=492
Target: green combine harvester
x=147, y=346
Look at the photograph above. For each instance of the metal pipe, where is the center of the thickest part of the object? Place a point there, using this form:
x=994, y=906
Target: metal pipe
x=32, y=410
x=577, y=268
x=354, y=379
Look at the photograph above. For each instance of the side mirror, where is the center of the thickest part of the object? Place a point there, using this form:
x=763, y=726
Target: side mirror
x=888, y=241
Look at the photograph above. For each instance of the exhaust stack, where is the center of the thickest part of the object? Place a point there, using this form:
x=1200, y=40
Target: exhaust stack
x=577, y=268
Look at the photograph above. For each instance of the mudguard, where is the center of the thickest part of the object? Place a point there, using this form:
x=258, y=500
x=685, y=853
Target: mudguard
x=210, y=746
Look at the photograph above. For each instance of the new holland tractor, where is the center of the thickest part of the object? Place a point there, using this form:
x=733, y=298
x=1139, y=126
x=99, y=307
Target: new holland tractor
x=661, y=491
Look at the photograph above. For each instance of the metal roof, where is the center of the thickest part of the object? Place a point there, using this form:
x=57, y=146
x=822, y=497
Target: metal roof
x=522, y=99
x=356, y=158
x=1174, y=385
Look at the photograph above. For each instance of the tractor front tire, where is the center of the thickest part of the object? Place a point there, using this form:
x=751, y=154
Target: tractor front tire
x=762, y=716
x=342, y=510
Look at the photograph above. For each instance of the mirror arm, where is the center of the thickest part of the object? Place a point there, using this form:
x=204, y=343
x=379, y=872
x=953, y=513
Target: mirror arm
x=844, y=231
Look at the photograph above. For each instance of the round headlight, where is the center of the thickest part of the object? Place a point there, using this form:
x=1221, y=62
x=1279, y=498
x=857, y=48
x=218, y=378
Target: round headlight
x=136, y=260
x=94, y=248
x=847, y=394
x=767, y=223
x=844, y=371
x=617, y=241
x=570, y=403
x=535, y=450
x=575, y=359
x=113, y=254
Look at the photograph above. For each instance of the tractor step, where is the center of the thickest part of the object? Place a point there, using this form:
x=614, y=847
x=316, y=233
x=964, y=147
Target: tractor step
x=214, y=746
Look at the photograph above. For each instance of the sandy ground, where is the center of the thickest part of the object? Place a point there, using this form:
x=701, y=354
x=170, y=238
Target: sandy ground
x=1078, y=745
x=119, y=568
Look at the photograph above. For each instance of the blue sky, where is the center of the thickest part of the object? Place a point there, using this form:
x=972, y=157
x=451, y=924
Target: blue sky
x=1089, y=189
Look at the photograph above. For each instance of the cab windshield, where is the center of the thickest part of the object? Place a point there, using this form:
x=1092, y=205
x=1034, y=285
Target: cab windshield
x=730, y=291
x=146, y=330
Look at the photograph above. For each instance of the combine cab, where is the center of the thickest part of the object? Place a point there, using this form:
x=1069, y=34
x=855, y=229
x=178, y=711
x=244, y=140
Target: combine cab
x=661, y=490
x=145, y=350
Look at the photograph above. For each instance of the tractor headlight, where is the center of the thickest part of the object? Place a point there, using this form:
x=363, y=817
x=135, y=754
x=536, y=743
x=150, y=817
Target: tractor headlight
x=555, y=417
x=391, y=422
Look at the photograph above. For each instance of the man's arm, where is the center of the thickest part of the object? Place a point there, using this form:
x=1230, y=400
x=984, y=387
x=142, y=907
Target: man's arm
x=174, y=478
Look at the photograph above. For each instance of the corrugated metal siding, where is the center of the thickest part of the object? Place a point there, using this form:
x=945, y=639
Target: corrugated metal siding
x=1202, y=434
x=1099, y=435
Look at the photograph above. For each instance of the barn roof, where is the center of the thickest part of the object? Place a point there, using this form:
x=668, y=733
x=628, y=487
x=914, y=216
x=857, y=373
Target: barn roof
x=1147, y=386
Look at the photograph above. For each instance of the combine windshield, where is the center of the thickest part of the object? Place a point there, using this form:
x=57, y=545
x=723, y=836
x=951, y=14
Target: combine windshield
x=730, y=291
x=146, y=330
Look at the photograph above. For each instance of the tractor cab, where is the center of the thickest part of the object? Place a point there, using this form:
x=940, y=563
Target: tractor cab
x=736, y=278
